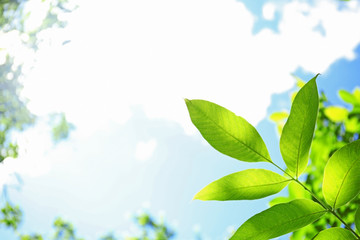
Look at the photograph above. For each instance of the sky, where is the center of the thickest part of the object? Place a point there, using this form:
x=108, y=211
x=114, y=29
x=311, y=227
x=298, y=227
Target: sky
x=122, y=80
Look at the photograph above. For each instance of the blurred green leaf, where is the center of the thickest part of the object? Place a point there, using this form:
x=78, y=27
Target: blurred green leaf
x=31, y=237
x=336, y=113
x=348, y=97
x=279, y=116
x=357, y=219
x=11, y=216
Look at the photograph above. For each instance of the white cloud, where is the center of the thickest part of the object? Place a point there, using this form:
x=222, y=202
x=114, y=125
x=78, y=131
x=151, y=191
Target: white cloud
x=144, y=150
x=155, y=53
x=268, y=11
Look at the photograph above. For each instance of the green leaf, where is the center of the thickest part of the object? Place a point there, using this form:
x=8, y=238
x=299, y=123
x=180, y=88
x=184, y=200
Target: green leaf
x=279, y=220
x=341, y=175
x=229, y=134
x=278, y=200
x=278, y=116
x=356, y=94
x=347, y=97
x=357, y=219
x=352, y=125
x=297, y=191
x=336, y=114
x=299, y=82
x=298, y=131
x=248, y=184
x=335, y=233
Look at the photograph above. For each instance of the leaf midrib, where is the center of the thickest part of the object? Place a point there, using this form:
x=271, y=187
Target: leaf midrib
x=238, y=140
x=342, y=183
x=268, y=184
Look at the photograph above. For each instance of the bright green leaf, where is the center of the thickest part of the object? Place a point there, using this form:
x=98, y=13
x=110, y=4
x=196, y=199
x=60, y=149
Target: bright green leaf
x=278, y=200
x=248, y=184
x=356, y=94
x=357, y=219
x=352, y=125
x=298, y=131
x=347, y=97
x=341, y=175
x=279, y=116
x=297, y=191
x=335, y=233
x=229, y=134
x=336, y=114
x=279, y=220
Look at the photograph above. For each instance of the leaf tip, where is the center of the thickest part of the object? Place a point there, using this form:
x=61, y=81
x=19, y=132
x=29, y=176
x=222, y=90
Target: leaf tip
x=196, y=197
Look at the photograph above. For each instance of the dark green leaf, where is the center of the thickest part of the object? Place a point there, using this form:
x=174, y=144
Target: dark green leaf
x=229, y=134
x=298, y=131
x=247, y=184
x=341, y=175
x=279, y=220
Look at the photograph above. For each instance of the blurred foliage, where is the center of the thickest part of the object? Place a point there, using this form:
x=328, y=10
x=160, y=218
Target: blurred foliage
x=151, y=229
x=31, y=237
x=14, y=115
x=110, y=236
x=60, y=127
x=11, y=216
x=64, y=230
x=336, y=126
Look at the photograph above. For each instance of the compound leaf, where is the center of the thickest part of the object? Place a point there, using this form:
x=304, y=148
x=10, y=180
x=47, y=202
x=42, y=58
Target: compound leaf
x=341, y=175
x=335, y=233
x=245, y=185
x=279, y=220
x=229, y=134
x=298, y=131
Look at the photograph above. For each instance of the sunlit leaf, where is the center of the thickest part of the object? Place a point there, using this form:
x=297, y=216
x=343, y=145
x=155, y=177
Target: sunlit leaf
x=336, y=113
x=298, y=131
x=297, y=191
x=229, y=134
x=356, y=94
x=247, y=184
x=278, y=116
x=335, y=233
x=278, y=200
x=279, y=220
x=341, y=175
x=347, y=97
x=299, y=82
x=352, y=125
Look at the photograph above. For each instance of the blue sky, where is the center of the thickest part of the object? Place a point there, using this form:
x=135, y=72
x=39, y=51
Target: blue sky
x=122, y=79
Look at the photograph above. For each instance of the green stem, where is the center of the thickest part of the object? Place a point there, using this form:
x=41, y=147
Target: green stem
x=320, y=202
x=332, y=211
x=282, y=170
